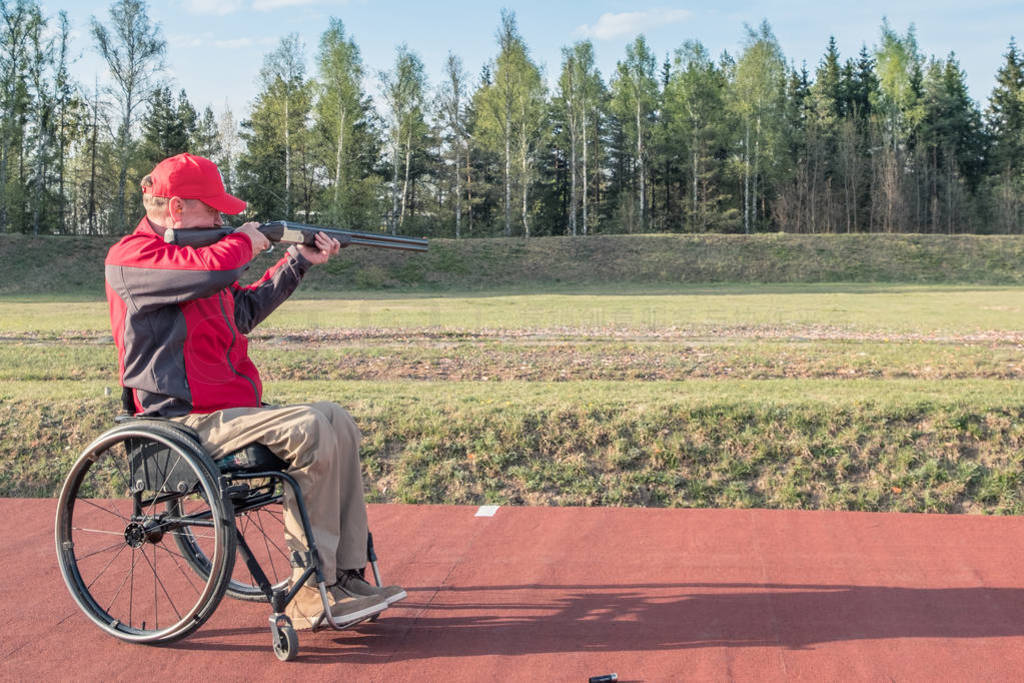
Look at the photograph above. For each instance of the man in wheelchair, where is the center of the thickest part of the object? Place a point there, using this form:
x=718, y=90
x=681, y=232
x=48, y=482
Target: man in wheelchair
x=179, y=320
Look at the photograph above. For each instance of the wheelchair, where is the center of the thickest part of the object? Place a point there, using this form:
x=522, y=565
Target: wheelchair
x=148, y=527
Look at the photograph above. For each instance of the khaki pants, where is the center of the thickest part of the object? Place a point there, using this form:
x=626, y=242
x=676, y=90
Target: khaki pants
x=320, y=442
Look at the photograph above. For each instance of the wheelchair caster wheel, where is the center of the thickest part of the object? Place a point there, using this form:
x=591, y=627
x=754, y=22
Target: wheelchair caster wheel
x=286, y=643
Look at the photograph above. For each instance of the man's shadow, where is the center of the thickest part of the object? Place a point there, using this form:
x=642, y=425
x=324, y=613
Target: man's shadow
x=449, y=622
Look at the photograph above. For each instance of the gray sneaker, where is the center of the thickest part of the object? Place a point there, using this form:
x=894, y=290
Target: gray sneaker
x=306, y=610
x=352, y=584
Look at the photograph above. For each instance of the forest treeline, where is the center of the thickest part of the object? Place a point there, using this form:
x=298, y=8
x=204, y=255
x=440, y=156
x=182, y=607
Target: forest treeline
x=888, y=140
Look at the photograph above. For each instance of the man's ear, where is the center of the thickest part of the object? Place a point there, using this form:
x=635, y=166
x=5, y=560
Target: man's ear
x=175, y=209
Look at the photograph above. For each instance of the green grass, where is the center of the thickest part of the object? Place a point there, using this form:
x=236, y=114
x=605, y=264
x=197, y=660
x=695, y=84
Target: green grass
x=503, y=358
x=866, y=308
x=818, y=396
x=941, y=446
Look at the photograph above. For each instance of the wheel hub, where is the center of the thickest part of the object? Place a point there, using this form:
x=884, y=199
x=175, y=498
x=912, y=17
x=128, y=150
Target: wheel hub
x=135, y=535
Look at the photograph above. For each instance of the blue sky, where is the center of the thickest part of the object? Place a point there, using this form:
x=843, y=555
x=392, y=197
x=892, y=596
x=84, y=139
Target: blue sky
x=216, y=47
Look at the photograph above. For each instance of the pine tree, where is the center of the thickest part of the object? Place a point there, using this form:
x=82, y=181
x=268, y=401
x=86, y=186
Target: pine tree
x=205, y=138
x=1004, y=117
x=1004, y=121
x=162, y=133
x=694, y=104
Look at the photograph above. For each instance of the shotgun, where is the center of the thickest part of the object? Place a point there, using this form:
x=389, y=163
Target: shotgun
x=289, y=232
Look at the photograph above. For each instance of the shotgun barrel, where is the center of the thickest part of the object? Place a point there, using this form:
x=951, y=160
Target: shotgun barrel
x=289, y=232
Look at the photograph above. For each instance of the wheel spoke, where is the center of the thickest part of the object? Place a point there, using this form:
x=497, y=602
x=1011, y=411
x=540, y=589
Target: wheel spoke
x=157, y=581
x=102, y=571
x=116, y=593
x=174, y=558
x=101, y=550
x=100, y=507
x=131, y=590
x=267, y=542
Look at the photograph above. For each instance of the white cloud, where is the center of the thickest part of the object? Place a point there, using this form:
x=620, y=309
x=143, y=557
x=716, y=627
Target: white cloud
x=209, y=40
x=214, y=7
x=270, y=5
x=187, y=42
x=630, y=23
x=234, y=43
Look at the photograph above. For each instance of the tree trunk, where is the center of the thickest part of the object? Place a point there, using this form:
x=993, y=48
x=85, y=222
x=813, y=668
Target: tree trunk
x=573, y=170
x=508, y=178
x=696, y=213
x=469, y=192
x=458, y=188
x=526, y=189
x=405, y=184
x=92, y=164
x=287, y=161
x=394, y=192
x=584, y=188
x=339, y=155
x=640, y=163
x=746, y=180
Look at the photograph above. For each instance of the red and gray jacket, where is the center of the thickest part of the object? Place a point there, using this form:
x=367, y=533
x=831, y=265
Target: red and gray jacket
x=179, y=319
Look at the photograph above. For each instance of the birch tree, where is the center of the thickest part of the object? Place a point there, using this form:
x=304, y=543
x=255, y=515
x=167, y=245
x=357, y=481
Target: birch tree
x=341, y=109
x=133, y=49
x=18, y=22
x=283, y=78
x=579, y=89
x=758, y=99
x=404, y=90
x=68, y=113
x=634, y=100
x=503, y=107
x=453, y=103
x=696, y=93
x=230, y=145
x=531, y=126
x=40, y=115
x=276, y=137
x=898, y=64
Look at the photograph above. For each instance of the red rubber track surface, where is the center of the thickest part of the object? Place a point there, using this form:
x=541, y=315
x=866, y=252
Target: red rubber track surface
x=569, y=593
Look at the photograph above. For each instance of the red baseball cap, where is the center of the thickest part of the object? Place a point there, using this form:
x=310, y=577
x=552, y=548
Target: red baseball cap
x=192, y=177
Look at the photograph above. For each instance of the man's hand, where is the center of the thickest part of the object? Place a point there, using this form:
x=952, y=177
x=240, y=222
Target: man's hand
x=259, y=241
x=325, y=248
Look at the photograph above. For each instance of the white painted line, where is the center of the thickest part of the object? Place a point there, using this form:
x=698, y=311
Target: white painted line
x=487, y=510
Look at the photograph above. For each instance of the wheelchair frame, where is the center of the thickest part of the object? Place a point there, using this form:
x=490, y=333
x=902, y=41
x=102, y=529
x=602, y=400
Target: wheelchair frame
x=147, y=481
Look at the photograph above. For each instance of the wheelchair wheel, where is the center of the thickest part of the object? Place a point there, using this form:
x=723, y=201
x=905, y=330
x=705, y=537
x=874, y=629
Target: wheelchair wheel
x=131, y=491
x=262, y=527
x=286, y=642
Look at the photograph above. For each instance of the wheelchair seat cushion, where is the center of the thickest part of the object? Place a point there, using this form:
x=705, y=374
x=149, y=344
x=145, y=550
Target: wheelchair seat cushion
x=254, y=457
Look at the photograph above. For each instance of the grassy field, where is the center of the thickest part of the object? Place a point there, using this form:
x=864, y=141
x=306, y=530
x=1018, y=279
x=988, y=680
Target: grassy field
x=781, y=309
x=844, y=396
